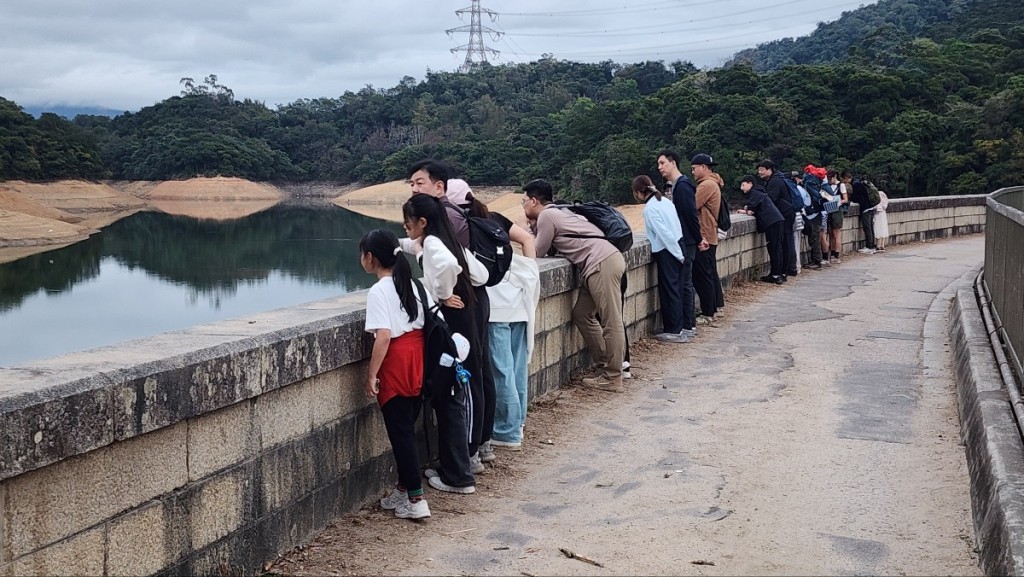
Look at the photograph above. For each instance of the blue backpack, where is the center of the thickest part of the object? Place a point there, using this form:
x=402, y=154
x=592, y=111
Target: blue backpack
x=813, y=186
x=799, y=200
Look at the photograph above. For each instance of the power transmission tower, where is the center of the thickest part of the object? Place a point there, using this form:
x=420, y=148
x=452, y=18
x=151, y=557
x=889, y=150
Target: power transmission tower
x=476, y=51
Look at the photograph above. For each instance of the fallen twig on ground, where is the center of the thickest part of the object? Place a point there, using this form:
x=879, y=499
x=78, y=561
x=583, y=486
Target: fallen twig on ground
x=578, y=557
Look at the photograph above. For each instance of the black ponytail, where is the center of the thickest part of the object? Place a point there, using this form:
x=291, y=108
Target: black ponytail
x=383, y=245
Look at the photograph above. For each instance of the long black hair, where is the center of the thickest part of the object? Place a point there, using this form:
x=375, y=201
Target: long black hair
x=430, y=209
x=383, y=246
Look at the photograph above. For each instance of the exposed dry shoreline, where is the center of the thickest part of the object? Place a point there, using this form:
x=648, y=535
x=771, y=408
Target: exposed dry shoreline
x=36, y=217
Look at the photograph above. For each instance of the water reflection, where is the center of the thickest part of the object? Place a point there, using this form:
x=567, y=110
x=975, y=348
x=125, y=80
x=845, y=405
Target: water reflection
x=154, y=272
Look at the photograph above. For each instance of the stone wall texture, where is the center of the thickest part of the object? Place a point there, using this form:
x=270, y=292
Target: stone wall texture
x=215, y=448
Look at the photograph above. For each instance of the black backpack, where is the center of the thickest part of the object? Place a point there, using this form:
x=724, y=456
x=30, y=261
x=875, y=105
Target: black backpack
x=437, y=342
x=724, y=220
x=490, y=244
x=604, y=216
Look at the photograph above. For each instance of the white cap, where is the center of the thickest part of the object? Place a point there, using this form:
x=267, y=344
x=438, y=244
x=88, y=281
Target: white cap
x=461, y=345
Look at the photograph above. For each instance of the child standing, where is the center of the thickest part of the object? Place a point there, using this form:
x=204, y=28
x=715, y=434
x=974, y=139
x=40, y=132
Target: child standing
x=881, y=222
x=395, y=318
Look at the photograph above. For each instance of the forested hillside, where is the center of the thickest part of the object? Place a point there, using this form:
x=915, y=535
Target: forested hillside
x=928, y=107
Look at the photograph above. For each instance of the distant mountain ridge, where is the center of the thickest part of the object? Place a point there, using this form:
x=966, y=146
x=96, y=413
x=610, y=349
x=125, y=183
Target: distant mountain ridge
x=70, y=112
x=886, y=23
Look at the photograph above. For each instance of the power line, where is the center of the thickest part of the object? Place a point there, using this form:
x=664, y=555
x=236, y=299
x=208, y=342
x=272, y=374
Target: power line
x=476, y=50
x=657, y=49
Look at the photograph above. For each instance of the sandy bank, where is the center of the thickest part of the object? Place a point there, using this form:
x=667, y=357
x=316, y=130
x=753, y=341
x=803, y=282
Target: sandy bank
x=384, y=201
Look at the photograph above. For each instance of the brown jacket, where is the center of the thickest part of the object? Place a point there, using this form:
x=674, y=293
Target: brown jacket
x=709, y=200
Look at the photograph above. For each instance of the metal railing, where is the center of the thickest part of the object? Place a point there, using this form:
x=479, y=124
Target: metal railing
x=1004, y=268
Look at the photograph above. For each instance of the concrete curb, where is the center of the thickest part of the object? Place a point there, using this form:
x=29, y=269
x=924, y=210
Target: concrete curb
x=992, y=441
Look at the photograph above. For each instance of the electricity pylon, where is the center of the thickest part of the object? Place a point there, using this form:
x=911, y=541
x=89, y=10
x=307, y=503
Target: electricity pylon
x=476, y=51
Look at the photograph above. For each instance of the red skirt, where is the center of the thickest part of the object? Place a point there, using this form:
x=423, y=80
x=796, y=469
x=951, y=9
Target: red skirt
x=401, y=374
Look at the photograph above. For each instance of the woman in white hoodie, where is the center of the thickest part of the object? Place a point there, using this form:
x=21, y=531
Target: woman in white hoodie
x=449, y=273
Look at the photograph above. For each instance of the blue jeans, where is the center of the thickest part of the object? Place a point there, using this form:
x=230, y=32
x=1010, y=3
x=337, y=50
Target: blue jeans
x=509, y=363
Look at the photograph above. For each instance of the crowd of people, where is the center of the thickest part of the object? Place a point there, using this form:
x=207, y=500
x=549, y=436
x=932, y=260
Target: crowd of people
x=487, y=408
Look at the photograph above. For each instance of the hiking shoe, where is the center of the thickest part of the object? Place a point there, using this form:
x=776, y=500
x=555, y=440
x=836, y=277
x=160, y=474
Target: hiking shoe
x=486, y=452
x=603, y=383
x=440, y=485
x=625, y=370
x=507, y=445
x=475, y=465
x=704, y=320
x=413, y=510
x=394, y=500
x=672, y=338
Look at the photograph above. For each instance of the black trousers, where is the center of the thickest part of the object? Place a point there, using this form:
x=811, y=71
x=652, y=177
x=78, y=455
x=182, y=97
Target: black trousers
x=400, y=415
x=452, y=437
x=789, y=251
x=706, y=281
x=670, y=290
x=456, y=421
x=867, y=222
x=484, y=395
x=623, y=285
x=686, y=283
x=775, y=238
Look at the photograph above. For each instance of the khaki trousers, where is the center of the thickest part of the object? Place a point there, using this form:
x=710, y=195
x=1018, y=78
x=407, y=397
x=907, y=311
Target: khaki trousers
x=598, y=315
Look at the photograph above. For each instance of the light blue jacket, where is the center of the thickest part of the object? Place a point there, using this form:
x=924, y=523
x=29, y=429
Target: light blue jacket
x=663, y=227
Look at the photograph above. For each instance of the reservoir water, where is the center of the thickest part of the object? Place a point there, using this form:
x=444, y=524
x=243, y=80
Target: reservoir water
x=152, y=272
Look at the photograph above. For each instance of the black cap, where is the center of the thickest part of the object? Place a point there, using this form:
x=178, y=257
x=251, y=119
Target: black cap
x=702, y=158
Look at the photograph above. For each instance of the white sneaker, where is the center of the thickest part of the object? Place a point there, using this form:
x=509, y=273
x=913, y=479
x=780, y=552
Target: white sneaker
x=487, y=453
x=394, y=500
x=625, y=370
x=508, y=445
x=440, y=485
x=430, y=473
x=413, y=510
x=475, y=465
x=866, y=250
x=691, y=333
x=672, y=338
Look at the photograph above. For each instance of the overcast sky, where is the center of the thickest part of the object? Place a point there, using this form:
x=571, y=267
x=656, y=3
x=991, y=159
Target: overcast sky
x=127, y=54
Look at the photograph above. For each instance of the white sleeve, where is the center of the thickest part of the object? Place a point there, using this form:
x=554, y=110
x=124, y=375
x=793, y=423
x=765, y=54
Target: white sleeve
x=377, y=316
x=408, y=245
x=440, y=268
x=478, y=274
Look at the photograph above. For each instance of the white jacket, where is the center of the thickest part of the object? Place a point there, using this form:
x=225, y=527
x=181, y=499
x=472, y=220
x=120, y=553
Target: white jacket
x=440, y=267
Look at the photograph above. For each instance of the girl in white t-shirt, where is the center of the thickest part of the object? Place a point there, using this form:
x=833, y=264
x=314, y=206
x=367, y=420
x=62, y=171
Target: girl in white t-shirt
x=395, y=318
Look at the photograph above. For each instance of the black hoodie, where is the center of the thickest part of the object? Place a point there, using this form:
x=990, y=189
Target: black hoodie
x=763, y=208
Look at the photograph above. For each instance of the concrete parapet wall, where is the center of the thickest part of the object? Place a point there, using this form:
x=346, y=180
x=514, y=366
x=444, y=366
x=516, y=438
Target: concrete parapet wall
x=991, y=440
x=223, y=445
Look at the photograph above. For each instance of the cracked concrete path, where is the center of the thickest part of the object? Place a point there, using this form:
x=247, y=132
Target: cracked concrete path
x=813, y=432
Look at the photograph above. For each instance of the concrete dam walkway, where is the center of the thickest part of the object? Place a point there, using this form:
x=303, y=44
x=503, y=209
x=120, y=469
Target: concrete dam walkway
x=813, y=431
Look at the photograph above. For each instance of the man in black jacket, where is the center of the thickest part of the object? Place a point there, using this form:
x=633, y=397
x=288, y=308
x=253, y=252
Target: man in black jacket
x=684, y=197
x=867, y=215
x=776, y=189
x=769, y=221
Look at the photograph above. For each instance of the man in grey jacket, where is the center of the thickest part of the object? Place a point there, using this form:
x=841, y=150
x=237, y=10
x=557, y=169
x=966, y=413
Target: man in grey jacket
x=598, y=309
